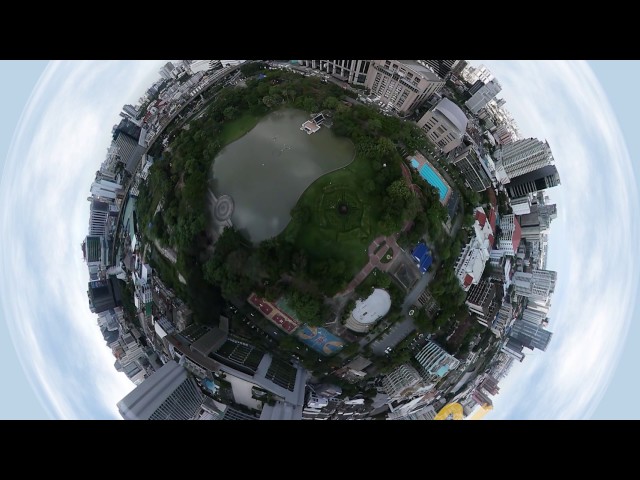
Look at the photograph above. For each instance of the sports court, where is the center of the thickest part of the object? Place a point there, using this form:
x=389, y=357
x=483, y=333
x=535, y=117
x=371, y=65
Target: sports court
x=320, y=339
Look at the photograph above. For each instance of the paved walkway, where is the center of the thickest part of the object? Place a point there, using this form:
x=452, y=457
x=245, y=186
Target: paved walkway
x=375, y=261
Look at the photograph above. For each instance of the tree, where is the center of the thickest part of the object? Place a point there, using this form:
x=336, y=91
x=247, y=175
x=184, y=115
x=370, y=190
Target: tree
x=230, y=113
x=331, y=103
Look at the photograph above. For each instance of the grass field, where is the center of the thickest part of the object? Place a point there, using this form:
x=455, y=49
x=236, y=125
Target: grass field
x=232, y=131
x=330, y=235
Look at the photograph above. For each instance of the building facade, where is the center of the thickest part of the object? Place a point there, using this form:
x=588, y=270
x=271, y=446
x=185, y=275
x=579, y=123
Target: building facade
x=533, y=182
x=484, y=95
x=435, y=362
x=402, y=85
x=520, y=157
x=537, y=285
x=403, y=381
x=473, y=169
x=350, y=71
x=445, y=125
x=510, y=234
x=480, y=301
x=168, y=394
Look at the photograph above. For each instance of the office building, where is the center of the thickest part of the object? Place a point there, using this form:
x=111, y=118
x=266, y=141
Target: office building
x=168, y=394
x=132, y=111
x=484, y=95
x=459, y=67
x=350, y=71
x=532, y=182
x=445, y=125
x=103, y=295
x=435, y=362
x=537, y=285
x=166, y=71
x=502, y=320
x=442, y=68
x=520, y=157
x=98, y=216
x=472, y=74
x=106, y=190
x=402, y=85
x=367, y=312
x=475, y=87
x=503, y=135
x=530, y=335
x=473, y=169
x=510, y=234
x=481, y=301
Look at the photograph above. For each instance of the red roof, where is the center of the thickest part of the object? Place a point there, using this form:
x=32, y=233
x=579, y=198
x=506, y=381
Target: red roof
x=481, y=218
x=490, y=241
x=517, y=234
x=467, y=280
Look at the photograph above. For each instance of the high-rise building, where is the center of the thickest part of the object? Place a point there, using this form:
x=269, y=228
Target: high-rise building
x=166, y=71
x=510, y=234
x=520, y=157
x=130, y=110
x=458, y=67
x=105, y=189
x=521, y=205
x=531, y=335
x=503, y=135
x=537, y=285
x=402, y=381
x=350, y=71
x=445, y=125
x=532, y=182
x=435, y=362
x=475, y=87
x=103, y=295
x=480, y=301
x=442, y=68
x=168, y=394
x=503, y=319
x=473, y=169
x=484, y=95
x=402, y=85
x=98, y=216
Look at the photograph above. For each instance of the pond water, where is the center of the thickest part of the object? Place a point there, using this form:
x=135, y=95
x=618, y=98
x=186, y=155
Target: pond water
x=267, y=170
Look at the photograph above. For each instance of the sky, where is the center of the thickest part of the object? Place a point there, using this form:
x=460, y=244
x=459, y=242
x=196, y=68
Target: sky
x=53, y=356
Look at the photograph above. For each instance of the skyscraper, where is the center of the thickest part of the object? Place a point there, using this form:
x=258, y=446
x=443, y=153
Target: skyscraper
x=484, y=95
x=98, y=215
x=103, y=295
x=537, y=285
x=532, y=182
x=531, y=335
x=169, y=394
x=520, y=157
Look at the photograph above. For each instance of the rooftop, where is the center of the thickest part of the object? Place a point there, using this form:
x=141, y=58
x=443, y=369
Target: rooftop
x=375, y=306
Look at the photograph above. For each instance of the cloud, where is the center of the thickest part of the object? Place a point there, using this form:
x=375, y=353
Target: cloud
x=589, y=242
x=60, y=142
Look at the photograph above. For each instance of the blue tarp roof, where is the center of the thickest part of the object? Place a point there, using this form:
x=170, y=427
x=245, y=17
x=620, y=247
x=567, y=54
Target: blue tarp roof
x=419, y=251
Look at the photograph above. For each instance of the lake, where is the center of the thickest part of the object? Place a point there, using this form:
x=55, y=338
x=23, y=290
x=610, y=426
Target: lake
x=267, y=170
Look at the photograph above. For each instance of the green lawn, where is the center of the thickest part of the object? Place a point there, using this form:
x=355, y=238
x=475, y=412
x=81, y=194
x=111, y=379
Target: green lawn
x=327, y=235
x=232, y=131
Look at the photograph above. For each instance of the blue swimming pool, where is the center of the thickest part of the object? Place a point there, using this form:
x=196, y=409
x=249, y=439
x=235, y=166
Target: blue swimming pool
x=414, y=163
x=430, y=176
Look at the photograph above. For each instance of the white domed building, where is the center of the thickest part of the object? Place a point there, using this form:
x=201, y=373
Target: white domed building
x=368, y=311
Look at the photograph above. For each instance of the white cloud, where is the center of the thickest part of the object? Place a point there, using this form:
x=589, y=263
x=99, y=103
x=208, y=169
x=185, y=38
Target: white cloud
x=60, y=142
x=590, y=241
